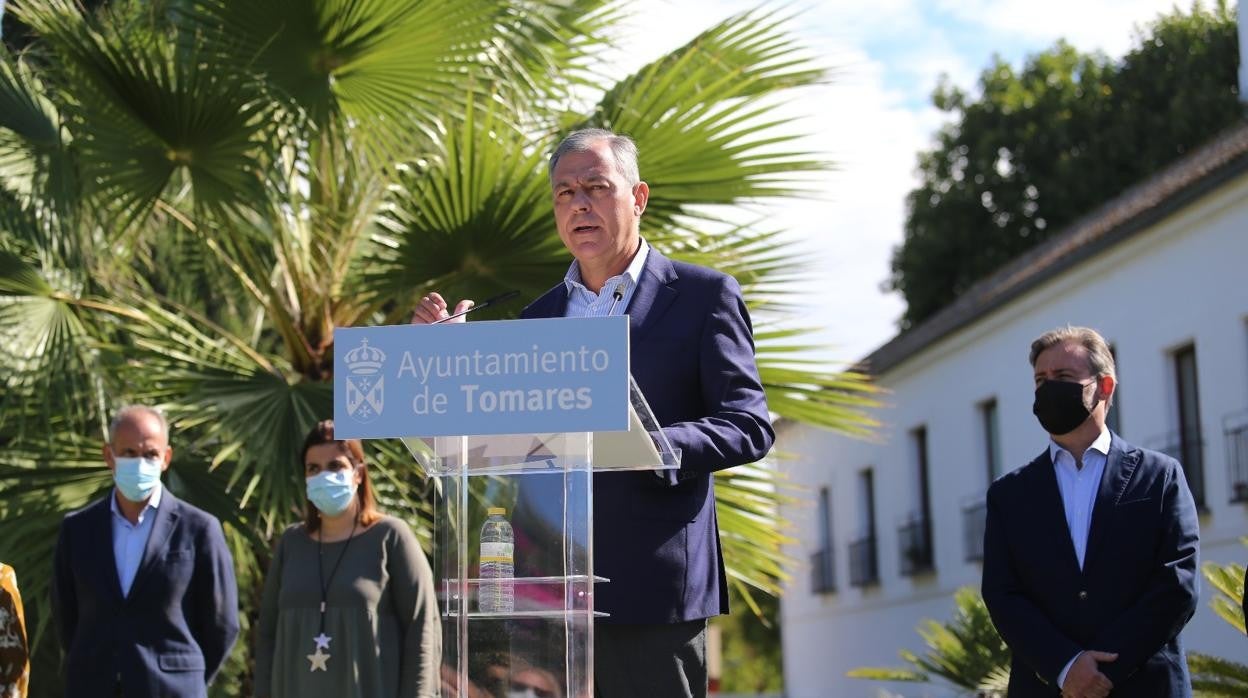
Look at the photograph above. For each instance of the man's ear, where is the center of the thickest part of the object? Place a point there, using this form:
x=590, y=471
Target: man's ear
x=1106, y=385
x=641, y=196
x=108, y=456
x=168, y=458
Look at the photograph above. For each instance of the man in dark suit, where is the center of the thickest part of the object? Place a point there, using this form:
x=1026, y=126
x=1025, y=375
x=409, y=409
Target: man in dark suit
x=692, y=354
x=143, y=587
x=1090, y=550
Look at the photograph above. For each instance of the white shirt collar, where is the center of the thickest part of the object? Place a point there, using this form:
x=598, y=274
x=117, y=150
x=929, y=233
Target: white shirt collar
x=1101, y=446
x=632, y=273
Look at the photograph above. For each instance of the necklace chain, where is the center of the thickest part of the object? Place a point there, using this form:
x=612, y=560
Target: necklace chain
x=320, y=564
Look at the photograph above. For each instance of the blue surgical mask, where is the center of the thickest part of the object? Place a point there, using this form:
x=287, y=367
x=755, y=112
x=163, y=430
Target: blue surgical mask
x=136, y=478
x=331, y=491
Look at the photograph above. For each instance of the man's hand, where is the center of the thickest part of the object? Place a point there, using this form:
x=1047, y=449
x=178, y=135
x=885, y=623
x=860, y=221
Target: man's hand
x=1085, y=680
x=433, y=307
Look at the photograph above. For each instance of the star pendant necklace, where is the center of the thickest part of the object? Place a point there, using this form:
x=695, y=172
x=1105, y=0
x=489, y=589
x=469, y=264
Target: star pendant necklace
x=320, y=658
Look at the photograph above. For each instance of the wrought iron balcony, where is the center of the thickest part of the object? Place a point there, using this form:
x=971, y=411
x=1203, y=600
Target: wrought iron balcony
x=1235, y=430
x=823, y=572
x=863, y=570
x=915, y=547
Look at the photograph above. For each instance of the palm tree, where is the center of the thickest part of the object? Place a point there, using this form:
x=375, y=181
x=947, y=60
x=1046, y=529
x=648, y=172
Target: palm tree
x=967, y=652
x=194, y=193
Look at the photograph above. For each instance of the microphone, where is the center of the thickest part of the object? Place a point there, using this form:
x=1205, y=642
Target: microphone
x=618, y=295
x=500, y=298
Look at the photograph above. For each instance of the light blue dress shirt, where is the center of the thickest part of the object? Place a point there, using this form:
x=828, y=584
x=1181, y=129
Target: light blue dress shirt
x=1079, y=487
x=583, y=302
x=129, y=540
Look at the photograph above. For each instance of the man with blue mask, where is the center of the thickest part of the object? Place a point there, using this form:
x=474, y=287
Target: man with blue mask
x=1090, y=550
x=144, y=593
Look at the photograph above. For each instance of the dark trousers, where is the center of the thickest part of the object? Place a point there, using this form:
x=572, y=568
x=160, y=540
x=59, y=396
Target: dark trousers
x=654, y=661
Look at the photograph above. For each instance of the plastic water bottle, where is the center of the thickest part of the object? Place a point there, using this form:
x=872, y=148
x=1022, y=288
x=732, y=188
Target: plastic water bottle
x=497, y=564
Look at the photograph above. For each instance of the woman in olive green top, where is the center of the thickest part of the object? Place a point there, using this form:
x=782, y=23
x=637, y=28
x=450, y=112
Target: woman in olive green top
x=349, y=609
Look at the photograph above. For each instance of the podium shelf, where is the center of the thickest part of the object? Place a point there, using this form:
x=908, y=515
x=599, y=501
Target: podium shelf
x=519, y=581
x=547, y=615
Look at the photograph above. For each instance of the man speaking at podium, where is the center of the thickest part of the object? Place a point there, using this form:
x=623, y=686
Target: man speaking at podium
x=692, y=354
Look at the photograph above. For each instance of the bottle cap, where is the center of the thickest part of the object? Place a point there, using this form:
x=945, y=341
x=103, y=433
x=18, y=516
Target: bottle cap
x=495, y=510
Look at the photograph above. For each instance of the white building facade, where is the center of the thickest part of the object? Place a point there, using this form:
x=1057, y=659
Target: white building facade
x=892, y=528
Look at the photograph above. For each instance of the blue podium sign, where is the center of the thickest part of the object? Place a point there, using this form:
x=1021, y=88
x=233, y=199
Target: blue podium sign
x=474, y=378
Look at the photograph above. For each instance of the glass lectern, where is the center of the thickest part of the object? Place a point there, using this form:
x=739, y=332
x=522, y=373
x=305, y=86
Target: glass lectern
x=544, y=646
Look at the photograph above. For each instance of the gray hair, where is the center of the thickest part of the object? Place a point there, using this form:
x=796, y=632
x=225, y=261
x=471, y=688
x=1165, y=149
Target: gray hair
x=1100, y=358
x=582, y=141
x=130, y=411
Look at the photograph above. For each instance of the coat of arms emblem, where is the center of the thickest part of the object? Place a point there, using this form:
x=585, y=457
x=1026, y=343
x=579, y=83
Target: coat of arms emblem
x=366, y=396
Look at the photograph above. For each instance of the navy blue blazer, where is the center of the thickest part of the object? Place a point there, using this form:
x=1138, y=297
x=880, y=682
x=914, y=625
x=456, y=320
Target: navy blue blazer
x=692, y=354
x=1136, y=591
x=169, y=636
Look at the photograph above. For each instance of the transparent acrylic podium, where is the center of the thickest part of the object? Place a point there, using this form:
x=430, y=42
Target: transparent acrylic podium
x=545, y=484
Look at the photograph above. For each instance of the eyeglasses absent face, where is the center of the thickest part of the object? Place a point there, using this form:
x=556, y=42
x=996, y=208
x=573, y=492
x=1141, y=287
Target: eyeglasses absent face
x=1067, y=362
x=328, y=457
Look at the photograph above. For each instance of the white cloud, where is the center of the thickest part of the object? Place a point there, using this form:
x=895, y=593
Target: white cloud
x=1105, y=24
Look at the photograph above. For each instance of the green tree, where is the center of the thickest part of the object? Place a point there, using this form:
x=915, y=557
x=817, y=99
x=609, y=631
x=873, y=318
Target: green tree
x=966, y=652
x=1215, y=676
x=1043, y=145
x=194, y=193
x=751, y=651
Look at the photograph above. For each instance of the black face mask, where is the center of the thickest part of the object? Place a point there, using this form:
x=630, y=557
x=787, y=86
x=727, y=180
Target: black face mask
x=1059, y=406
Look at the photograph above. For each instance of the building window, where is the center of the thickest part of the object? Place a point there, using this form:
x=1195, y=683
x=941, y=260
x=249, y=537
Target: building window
x=915, y=535
x=863, y=570
x=1188, y=447
x=822, y=561
x=992, y=438
x=974, y=512
x=974, y=517
x=1235, y=431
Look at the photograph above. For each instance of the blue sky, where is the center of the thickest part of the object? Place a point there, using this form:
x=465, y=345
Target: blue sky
x=875, y=116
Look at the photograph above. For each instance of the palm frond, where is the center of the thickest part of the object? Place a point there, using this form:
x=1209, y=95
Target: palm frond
x=763, y=262
x=1214, y=676
x=746, y=501
x=965, y=651
x=540, y=46
x=477, y=219
x=1228, y=581
x=49, y=364
x=147, y=112
x=888, y=674
x=386, y=70
x=704, y=137
x=804, y=390
x=34, y=163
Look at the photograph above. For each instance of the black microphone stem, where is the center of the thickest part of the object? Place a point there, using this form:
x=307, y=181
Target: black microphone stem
x=485, y=303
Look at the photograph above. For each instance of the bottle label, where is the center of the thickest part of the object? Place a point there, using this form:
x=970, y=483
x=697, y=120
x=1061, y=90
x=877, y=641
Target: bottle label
x=497, y=552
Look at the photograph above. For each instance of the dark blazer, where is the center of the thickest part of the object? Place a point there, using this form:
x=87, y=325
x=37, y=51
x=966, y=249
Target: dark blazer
x=169, y=636
x=1137, y=588
x=692, y=354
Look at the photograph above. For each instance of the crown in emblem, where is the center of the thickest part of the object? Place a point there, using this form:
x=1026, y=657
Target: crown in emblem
x=364, y=359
